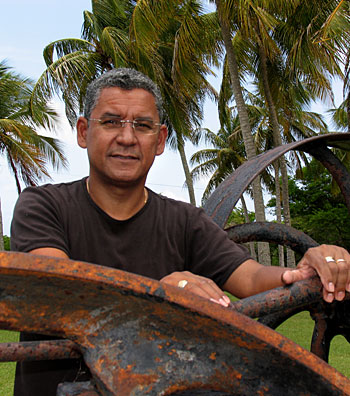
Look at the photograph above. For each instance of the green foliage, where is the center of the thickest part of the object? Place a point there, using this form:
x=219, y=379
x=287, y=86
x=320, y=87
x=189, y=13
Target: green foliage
x=317, y=210
x=6, y=242
x=26, y=151
x=237, y=217
x=317, y=207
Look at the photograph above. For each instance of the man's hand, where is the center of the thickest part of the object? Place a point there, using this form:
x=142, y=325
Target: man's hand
x=331, y=264
x=199, y=285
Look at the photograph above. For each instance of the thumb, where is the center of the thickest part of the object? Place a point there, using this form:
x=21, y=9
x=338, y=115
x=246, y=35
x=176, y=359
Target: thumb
x=291, y=276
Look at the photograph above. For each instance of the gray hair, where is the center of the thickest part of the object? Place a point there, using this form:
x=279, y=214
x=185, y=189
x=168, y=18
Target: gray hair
x=125, y=79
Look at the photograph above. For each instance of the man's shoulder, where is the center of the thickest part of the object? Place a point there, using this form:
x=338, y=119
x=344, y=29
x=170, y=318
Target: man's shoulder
x=176, y=209
x=55, y=195
x=174, y=203
x=55, y=188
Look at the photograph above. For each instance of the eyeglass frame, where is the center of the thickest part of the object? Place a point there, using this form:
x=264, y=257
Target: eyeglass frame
x=124, y=122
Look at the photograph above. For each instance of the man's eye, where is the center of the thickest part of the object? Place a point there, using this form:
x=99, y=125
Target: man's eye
x=143, y=125
x=111, y=122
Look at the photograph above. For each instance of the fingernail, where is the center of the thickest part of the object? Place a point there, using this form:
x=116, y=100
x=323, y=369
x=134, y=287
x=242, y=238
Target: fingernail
x=227, y=299
x=223, y=302
x=330, y=297
x=331, y=287
x=215, y=301
x=340, y=295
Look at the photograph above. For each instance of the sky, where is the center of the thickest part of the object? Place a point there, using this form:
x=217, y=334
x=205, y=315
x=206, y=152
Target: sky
x=27, y=26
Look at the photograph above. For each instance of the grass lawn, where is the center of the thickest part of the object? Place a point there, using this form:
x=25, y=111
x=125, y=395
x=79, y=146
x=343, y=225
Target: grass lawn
x=298, y=328
x=7, y=370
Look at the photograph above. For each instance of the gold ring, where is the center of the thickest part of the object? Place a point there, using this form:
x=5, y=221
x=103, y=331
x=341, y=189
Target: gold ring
x=329, y=259
x=182, y=283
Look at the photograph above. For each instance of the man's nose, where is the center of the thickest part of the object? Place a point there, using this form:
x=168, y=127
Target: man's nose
x=126, y=134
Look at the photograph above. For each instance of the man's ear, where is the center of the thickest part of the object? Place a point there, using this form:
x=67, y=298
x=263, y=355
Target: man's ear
x=82, y=127
x=162, y=135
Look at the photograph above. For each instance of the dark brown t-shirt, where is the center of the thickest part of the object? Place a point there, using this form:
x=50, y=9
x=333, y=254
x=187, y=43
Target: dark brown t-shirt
x=163, y=237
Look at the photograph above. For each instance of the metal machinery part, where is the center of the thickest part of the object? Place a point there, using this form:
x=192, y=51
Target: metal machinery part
x=139, y=336
x=330, y=319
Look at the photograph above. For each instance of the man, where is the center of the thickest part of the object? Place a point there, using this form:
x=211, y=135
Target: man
x=111, y=219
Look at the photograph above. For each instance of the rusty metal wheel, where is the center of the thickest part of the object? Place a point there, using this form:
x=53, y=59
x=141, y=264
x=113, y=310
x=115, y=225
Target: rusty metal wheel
x=330, y=319
x=275, y=306
x=141, y=337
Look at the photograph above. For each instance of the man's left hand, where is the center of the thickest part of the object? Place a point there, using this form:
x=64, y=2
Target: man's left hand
x=331, y=264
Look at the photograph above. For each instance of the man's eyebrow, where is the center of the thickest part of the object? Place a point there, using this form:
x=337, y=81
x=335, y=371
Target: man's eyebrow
x=144, y=118
x=111, y=115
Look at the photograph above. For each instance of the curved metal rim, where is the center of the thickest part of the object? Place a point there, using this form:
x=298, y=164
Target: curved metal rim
x=22, y=265
x=224, y=198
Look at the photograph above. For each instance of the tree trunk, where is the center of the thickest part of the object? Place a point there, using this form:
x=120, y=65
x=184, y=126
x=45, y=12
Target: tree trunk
x=247, y=220
x=2, y=248
x=277, y=142
x=348, y=111
x=188, y=177
x=263, y=247
x=278, y=209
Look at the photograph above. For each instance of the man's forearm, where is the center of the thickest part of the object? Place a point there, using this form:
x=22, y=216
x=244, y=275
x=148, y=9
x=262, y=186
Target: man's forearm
x=252, y=278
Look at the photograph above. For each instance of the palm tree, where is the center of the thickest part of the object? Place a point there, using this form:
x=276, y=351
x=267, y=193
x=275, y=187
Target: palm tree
x=225, y=154
x=306, y=37
x=225, y=15
x=26, y=151
x=171, y=42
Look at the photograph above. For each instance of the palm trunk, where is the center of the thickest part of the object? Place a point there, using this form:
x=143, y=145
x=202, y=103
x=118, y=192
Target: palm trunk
x=188, y=177
x=263, y=247
x=348, y=111
x=247, y=220
x=2, y=247
x=278, y=209
x=15, y=173
x=277, y=142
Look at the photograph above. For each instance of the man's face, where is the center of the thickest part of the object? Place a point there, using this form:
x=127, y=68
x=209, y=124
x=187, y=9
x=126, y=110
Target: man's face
x=121, y=156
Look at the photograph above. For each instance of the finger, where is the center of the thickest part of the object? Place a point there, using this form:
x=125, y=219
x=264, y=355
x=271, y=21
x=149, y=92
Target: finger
x=320, y=259
x=210, y=287
x=199, y=285
x=342, y=278
x=207, y=288
x=328, y=297
x=204, y=290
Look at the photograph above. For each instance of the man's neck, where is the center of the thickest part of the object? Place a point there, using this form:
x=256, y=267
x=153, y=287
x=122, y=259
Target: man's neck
x=121, y=203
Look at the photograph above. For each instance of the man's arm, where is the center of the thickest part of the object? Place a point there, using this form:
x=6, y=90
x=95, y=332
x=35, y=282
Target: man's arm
x=251, y=277
x=53, y=252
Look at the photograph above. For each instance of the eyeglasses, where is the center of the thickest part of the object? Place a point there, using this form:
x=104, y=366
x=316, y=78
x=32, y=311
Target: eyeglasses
x=140, y=126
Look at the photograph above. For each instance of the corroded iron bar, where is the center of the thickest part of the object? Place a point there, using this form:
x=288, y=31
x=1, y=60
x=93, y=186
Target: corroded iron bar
x=38, y=350
x=297, y=295
x=271, y=232
x=224, y=198
x=141, y=337
x=77, y=389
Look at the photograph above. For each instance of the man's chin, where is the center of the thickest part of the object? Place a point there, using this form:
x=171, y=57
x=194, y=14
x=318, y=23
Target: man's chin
x=128, y=181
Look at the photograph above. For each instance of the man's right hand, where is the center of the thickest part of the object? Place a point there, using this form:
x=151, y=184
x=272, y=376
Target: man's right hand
x=199, y=285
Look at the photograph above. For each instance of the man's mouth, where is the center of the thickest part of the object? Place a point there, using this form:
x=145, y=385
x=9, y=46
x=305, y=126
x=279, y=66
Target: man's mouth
x=124, y=157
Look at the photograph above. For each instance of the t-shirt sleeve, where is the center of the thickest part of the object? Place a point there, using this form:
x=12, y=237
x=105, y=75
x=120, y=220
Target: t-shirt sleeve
x=212, y=253
x=36, y=222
